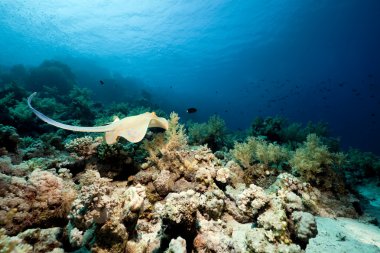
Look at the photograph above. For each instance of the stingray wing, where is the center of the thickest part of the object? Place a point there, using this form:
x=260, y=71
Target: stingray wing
x=134, y=128
x=159, y=122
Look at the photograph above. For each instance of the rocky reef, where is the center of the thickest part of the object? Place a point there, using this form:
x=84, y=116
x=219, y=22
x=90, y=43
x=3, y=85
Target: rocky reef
x=192, y=188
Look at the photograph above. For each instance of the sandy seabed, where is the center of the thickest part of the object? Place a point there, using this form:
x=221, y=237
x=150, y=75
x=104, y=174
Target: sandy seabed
x=344, y=235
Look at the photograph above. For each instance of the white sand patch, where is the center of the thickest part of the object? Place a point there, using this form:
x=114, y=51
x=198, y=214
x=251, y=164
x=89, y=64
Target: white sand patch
x=344, y=235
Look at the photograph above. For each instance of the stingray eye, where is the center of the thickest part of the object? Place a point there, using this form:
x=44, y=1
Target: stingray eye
x=154, y=114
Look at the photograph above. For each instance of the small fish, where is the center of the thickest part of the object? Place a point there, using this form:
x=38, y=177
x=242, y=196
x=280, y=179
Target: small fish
x=101, y=82
x=191, y=110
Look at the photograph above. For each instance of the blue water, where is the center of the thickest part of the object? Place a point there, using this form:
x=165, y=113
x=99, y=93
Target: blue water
x=304, y=60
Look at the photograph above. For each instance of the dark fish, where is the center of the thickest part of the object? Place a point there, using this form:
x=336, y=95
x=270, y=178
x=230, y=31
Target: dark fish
x=101, y=82
x=191, y=110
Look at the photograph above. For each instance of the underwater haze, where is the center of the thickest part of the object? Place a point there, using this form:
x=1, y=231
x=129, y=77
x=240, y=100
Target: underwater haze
x=302, y=60
x=189, y=126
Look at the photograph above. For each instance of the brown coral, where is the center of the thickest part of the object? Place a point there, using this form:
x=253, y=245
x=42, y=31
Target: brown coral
x=40, y=199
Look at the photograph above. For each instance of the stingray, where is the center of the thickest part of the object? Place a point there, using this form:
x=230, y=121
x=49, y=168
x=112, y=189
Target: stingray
x=132, y=128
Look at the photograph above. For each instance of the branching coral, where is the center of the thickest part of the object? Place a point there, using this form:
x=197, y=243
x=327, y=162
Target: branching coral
x=211, y=133
x=269, y=127
x=9, y=138
x=83, y=146
x=175, y=136
x=51, y=105
x=277, y=129
x=6, y=101
x=310, y=159
x=81, y=105
x=21, y=113
x=258, y=150
x=173, y=139
x=362, y=165
x=314, y=162
x=38, y=148
x=121, y=109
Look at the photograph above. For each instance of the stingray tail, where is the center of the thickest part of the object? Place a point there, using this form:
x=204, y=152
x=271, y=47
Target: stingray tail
x=52, y=122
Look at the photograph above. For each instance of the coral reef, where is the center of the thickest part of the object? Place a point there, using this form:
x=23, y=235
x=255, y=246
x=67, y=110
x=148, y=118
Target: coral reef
x=361, y=165
x=33, y=200
x=51, y=73
x=314, y=162
x=212, y=133
x=83, y=146
x=277, y=129
x=259, y=150
x=9, y=139
x=103, y=216
x=175, y=192
x=305, y=227
x=260, y=159
x=32, y=240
